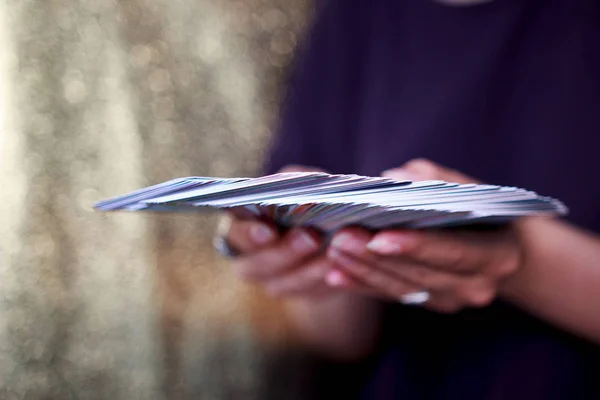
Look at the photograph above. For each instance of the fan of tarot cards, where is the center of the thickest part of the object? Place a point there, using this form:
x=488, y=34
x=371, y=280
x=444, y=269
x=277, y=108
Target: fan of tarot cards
x=328, y=202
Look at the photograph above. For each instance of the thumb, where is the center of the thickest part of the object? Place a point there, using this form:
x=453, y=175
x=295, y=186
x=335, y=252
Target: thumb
x=422, y=169
x=300, y=168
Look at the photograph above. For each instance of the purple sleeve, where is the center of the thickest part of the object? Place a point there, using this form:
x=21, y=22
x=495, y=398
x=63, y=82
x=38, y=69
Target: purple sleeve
x=311, y=130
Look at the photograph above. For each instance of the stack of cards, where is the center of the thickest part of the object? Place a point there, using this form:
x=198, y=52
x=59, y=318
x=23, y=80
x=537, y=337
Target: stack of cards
x=328, y=202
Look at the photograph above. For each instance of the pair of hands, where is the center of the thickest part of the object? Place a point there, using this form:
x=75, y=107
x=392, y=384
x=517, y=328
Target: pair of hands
x=458, y=268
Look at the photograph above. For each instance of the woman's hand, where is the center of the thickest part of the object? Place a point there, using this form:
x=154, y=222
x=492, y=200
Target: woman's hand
x=292, y=264
x=336, y=322
x=459, y=268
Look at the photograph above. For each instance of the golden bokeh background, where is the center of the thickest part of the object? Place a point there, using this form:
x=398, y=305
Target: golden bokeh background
x=101, y=97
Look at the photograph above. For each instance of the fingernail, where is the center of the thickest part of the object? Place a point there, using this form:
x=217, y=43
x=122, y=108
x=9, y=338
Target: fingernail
x=334, y=278
x=385, y=246
x=261, y=234
x=346, y=242
x=303, y=242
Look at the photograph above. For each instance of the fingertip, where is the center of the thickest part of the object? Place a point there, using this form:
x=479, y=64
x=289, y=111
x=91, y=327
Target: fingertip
x=304, y=241
x=251, y=235
x=337, y=278
x=351, y=240
x=384, y=246
x=262, y=234
x=390, y=243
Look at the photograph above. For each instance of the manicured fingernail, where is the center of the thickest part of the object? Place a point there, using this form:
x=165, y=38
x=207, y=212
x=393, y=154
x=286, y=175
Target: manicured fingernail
x=385, y=246
x=346, y=242
x=334, y=278
x=262, y=234
x=303, y=242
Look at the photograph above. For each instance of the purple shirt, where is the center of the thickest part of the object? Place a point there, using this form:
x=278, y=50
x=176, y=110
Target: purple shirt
x=507, y=92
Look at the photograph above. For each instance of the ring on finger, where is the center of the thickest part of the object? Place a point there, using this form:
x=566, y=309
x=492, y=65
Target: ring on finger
x=223, y=247
x=220, y=242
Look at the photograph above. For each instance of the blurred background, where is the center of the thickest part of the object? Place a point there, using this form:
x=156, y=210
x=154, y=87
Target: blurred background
x=102, y=97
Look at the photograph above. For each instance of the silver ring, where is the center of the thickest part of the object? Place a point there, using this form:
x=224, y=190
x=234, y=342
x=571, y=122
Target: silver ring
x=415, y=298
x=220, y=242
x=223, y=247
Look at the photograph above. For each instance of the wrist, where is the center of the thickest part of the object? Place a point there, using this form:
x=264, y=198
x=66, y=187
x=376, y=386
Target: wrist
x=515, y=286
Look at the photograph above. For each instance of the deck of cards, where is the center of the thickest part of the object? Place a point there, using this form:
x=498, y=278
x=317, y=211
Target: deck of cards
x=329, y=202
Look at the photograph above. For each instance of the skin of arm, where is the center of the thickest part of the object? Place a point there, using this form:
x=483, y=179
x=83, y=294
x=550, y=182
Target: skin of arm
x=560, y=277
x=331, y=321
x=545, y=266
x=553, y=272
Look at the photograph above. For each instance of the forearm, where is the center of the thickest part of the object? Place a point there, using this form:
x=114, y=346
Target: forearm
x=560, y=278
x=341, y=326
